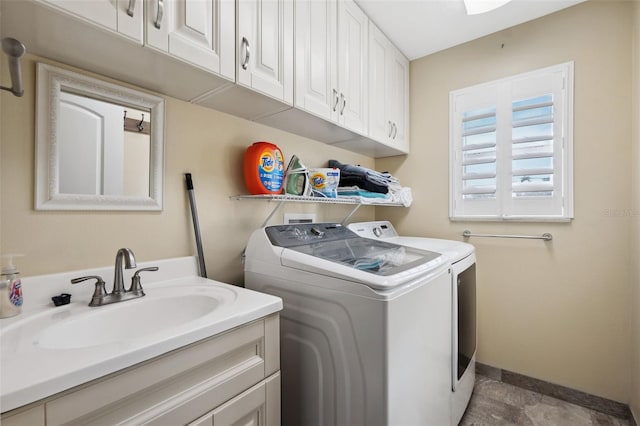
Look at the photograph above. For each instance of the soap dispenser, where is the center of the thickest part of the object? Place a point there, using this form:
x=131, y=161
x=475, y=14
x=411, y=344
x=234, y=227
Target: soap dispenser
x=10, y=288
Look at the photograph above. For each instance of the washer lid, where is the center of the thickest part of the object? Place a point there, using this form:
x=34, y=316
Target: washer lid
x=363, y=254
x=332, y=249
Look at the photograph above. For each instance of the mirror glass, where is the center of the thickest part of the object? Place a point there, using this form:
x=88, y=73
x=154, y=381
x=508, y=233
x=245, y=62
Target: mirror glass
x=99, y=145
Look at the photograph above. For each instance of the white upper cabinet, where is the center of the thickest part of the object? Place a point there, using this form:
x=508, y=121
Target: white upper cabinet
x=264, y=44
x=121, y=16
x=353, y=42
x=201, y=32
x=331, y=55
x=398, y=96
x=316, y=58
x=388, y=92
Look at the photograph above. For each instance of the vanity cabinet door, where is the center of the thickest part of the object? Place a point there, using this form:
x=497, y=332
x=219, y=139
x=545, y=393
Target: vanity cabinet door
x=32, y=417
x=265, y=47
x=200, y=32
x=122, y=16
x=258, y=406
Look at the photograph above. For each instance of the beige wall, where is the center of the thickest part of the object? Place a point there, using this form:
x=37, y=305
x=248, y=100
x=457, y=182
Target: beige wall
x=557, y=311
x=635, y=232
x=204, y=142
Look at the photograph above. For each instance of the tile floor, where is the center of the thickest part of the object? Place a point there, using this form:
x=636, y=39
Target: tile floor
x=494, y=403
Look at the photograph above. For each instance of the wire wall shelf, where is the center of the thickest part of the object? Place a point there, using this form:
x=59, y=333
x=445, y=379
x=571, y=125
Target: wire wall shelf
x=286, y=198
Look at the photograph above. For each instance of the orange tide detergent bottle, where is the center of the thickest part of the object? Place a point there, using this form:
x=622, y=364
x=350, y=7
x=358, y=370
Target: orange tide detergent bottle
x=263, y=168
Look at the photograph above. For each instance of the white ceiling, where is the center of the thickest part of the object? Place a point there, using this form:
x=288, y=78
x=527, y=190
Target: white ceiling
x=421, y=27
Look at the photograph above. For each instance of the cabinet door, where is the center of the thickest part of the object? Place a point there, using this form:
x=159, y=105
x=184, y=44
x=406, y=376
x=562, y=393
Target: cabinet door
x=33, y=417
x=316, y=58
x=398, y=99
x=388, y=92
x=258, y=406
x=265, y=47
x=123, y=16
x=352, y=65
x=380, y=126
x=201, y=32
x=130, y=18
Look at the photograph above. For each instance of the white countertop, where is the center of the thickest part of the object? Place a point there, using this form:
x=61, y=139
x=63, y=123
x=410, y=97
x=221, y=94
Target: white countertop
x=31, y=370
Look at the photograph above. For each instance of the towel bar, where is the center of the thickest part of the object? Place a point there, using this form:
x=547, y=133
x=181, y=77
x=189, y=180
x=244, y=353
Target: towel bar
x=546, y=236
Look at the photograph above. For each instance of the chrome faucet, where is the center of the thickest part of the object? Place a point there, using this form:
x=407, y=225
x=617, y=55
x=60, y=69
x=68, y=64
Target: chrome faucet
x=129, y=263
x=119, y=293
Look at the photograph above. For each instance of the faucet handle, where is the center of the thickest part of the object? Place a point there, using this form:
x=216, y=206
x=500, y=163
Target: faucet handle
x=99, y=293
x=136, y=287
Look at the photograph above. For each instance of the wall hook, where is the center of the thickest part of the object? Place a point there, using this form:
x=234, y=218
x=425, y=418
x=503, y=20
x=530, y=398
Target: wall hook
x=14, y=50
x=140, y=125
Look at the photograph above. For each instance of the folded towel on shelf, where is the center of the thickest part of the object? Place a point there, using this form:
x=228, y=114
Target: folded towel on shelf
x=370, y=186
x=402, y=195
x=354, y=191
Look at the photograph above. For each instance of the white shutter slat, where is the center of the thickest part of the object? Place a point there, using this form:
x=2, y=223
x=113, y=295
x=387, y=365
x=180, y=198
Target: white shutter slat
x=473, y=176
x=487, y=160
x=532, y=106
x=529, y=139
x=479, y=190
x=479, y=131
x=476, y=146
x=532, y=172
x=533, y=187
x=533, y=154
x=533, y=122
x=469, y=118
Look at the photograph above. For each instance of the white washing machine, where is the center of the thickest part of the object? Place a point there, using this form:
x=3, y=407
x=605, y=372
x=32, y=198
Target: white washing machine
x=365, y=329
x=463, y=309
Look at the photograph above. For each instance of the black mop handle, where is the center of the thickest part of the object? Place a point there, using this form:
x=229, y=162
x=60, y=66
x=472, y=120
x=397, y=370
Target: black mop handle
x=196, y=225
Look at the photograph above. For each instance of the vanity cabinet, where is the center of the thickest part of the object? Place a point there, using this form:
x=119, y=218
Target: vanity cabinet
x=388, y=92
x=229, y=378
x=264, y=44
x=121, y=16
x=196, y=31
x=331, y=56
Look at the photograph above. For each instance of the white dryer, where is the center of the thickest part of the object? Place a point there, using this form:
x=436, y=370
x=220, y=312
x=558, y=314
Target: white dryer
x=365, y=329
x=462, y=259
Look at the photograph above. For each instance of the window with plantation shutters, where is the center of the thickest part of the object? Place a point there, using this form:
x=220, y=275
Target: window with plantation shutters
x=511, y=148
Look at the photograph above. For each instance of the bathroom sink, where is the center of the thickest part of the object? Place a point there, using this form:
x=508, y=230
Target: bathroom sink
x=126, y=321
x=49, y=349
x=165, y=312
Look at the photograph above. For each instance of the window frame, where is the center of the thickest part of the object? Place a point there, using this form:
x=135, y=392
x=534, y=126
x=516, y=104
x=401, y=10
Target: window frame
x=500, y=93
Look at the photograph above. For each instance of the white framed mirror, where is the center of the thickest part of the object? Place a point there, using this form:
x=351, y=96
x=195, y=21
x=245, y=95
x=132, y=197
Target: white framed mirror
x=99, y=146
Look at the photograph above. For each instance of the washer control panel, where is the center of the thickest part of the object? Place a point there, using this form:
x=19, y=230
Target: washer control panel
x=376, y=230
x=294, y=235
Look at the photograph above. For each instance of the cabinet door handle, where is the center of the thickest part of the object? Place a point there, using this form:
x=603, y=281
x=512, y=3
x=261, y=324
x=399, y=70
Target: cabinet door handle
x=158, y=20
x=344, y=103
x=335, y=97
x=395, y=130
x=131, y=8
x=247, y=53
x=390, y=129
